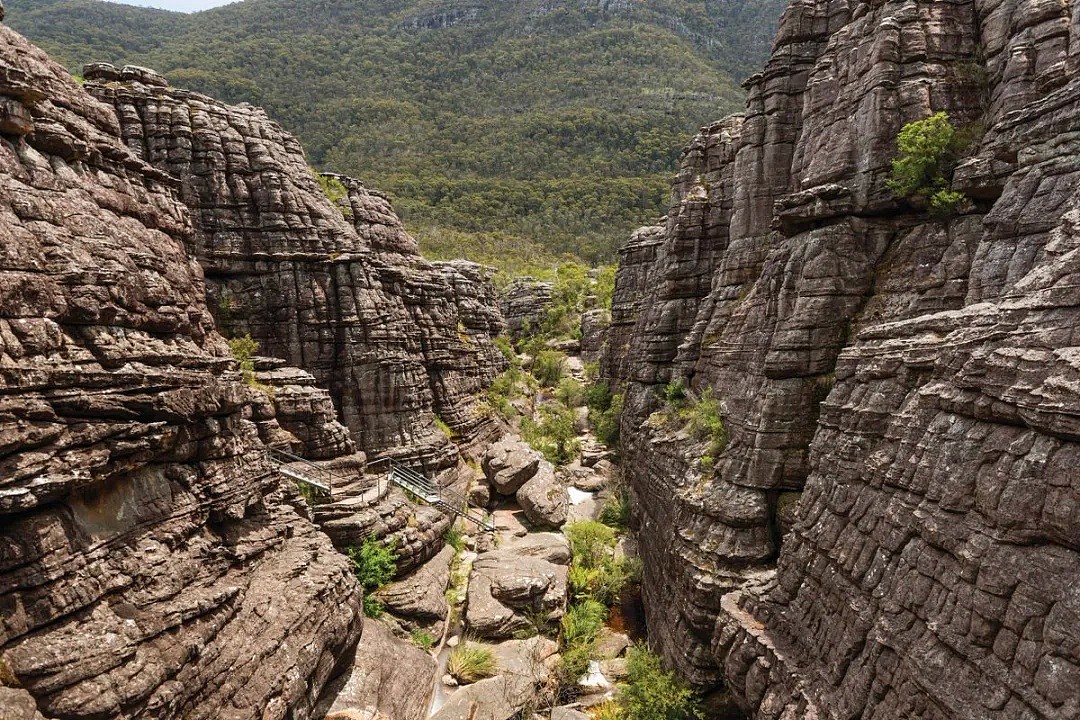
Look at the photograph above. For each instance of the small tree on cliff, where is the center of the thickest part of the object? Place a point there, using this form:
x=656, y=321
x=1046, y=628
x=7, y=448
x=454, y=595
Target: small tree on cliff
x=929, y=150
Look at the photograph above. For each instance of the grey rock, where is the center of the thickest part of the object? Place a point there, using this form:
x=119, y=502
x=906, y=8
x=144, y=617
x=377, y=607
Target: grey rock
x=543, y=498
x=155, y=564
x=509, y=463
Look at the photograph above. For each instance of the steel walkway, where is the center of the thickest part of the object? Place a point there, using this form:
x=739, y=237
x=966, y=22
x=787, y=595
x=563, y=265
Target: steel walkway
x=438, y=496
x=305, y=472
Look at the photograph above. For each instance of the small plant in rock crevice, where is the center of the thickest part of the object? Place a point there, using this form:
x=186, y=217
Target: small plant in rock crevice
x=423, y=639
x=374, y=564
x=470, y=662
x=243, y=349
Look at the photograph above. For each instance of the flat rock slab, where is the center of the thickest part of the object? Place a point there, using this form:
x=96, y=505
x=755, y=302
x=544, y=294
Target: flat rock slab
x=388, y=675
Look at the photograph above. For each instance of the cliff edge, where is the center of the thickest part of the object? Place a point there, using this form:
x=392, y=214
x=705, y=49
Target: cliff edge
x=887, y=525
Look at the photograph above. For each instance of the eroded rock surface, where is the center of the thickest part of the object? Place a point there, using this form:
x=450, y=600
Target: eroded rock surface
x=319, y=270
x=525, y=303
x=913, y=376
x=508, y=590
x=153, y=564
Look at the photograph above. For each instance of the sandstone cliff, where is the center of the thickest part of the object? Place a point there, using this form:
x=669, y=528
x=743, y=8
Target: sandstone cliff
x=326, y=277
x=151, y=562
x=915, y=378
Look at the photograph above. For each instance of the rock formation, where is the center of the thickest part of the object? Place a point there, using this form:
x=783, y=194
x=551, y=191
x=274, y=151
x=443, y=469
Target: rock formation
x=525, y=303
x=318, y=269
x=151, y=562
x=913, y=376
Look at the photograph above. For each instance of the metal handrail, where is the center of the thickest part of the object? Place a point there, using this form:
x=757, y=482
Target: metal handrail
x=283, y=457
x=443, y=497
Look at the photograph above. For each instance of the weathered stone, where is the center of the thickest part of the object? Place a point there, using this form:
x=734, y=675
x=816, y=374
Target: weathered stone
x=334, y=286
x=509, y=463
x=913, y=376
x=421, y=594
x=154, y=564
x=543, y=498
x=505, y=585
x=388, y=676
x=524, y=304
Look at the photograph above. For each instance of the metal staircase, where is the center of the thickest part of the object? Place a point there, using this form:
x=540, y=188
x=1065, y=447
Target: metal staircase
x=438, y=496
x=304, y=472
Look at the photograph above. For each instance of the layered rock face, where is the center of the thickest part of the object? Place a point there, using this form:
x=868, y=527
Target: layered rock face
x=913, y=376
x=318, y=269
x=151, y=563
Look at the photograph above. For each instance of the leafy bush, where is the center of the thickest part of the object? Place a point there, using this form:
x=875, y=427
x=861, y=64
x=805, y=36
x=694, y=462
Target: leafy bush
x=573, y=663
x=605, y=286
x=928, y=153
x=454, y=538
x=243, y=349
x=704, y=421
x=590, y=541
x=469, y=662
x=374, y=564
x=548, y=367
x=616, y=511
x=335, y=191
x=554, y=435
x=570, y=393
x=605, y=410
x=582, y=622
x=601, y=583
x=442, y=427
x=653, y=694
x=675, y=392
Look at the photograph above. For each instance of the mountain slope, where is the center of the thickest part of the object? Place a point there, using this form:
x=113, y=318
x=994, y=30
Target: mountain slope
x=539, y=126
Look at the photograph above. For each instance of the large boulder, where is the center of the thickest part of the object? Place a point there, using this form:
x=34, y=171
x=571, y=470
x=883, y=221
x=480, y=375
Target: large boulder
x=507, y=590
x=543, y=498
x=509, y=464
x=421, y=594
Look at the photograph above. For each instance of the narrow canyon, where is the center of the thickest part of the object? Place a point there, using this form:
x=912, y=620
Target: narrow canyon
x=816, y=454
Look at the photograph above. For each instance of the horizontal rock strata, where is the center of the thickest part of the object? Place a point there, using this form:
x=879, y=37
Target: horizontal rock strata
x=152, y=564
x=912, y=376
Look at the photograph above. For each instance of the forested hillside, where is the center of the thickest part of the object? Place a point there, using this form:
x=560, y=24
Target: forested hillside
x=507, y=131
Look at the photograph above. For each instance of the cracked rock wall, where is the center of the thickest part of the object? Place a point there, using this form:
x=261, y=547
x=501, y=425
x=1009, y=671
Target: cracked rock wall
x=151, y=564
x=907, y=382
x=328, y=281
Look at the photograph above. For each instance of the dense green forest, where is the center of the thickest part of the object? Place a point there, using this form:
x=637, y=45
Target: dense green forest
x=511, y=131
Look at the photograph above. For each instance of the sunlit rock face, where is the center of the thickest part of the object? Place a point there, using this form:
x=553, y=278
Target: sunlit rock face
x=914, y=377
x=151, y=563
x=318, y=269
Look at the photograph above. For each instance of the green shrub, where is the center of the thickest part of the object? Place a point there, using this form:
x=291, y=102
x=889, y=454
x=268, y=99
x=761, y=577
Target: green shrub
x=605, y=410
x=503, y=345
x=929, y=150
x=704, y=421
x=454, y=538
x=601, y=583
x=616, y=511
x=582, y=622
x=590, y=542
x=573, y=663
x=335, y=191
x=445, y=429
x=548, y=367
x=605, y=286
x=570, y=393
x=653, y=694
x=675, y=392
x=243, y=349
x=469, y=662
x=554, y=435
x=374, y=564
x=423, y=639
